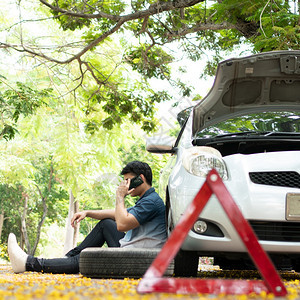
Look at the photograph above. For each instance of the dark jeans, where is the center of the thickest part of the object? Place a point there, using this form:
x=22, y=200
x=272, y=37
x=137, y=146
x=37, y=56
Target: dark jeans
x=104, y=231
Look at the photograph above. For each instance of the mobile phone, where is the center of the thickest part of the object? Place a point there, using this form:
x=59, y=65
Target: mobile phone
x=135, y=182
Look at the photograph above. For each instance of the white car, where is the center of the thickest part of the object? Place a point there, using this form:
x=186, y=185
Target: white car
x=248, y=129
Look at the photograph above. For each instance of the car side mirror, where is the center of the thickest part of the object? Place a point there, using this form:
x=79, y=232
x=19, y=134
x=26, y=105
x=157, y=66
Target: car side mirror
x=160, y=144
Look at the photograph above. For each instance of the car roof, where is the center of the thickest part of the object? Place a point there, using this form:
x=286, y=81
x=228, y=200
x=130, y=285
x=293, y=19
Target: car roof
x=267, y=81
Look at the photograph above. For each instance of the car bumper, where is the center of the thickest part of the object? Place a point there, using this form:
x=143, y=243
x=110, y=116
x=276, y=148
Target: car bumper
x=257, y=202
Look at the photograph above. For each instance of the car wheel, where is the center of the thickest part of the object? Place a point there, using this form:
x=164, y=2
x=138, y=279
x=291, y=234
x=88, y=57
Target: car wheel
x=118, y=262
x=186, y=264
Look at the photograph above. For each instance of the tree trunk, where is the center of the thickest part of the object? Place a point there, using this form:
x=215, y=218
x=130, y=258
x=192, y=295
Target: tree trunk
x=40, y=225
x=1, y=222
x=71, y=233
x=45, y=210
x=76, y=229
x=23, y=226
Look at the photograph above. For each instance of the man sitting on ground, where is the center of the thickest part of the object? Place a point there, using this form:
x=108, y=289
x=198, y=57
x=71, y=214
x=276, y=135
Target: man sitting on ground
x=144, y=224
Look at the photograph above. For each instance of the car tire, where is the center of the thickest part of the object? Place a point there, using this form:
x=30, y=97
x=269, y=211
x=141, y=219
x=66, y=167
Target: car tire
x=118, y=262
x=186, y=264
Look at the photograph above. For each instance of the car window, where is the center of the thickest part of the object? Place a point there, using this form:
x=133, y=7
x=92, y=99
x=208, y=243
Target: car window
x=285, y=122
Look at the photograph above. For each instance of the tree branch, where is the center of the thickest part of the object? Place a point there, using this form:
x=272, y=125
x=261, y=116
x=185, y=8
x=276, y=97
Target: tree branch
x=81, y=15
x=200, y=27
x=153, y=9
x=69, y=60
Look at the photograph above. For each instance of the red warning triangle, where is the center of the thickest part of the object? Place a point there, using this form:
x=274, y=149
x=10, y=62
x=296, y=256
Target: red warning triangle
x=153, y=280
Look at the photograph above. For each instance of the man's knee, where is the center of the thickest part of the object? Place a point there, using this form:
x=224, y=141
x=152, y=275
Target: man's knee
x=107, y=223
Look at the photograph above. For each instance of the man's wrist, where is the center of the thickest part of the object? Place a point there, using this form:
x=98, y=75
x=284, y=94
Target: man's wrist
x=119, y=200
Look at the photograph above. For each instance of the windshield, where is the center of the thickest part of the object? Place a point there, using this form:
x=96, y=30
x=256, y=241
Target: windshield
x=266, y=122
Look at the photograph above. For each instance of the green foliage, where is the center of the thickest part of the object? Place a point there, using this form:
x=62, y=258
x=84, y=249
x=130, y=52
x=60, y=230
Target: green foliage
x=49, y=188
x=100, y=196
x=8, y=132
x=279, y=38
x=123, y=105
x=11, y=204
x=211, y=66
x=44, y=185
x=279, y=28
x=86, y=7
x=3, y=252
x=186, y=90
x=22, y=100
x=11, y=197
x=146, y=44
x=15, y=170
x=150, y=61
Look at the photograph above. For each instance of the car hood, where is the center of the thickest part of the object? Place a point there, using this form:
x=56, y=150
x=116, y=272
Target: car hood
x=267, y=81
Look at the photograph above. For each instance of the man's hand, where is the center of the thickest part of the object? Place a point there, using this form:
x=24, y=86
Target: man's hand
x=78, y=217
x=123, y=190
x=125, y=221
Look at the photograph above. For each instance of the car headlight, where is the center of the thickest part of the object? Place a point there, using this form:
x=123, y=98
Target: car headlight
x=200, y=160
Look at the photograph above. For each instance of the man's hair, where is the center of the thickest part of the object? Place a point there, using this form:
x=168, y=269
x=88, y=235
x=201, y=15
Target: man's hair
x=137, y=167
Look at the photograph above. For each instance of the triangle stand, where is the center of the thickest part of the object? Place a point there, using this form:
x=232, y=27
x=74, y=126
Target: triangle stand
x=154, y=282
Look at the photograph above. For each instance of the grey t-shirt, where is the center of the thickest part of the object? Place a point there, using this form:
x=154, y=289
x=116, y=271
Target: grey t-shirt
x=149, y=210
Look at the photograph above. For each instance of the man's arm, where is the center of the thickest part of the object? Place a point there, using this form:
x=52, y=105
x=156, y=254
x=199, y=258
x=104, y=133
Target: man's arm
x=95, y=214
x=125, y=221
x=101, y=214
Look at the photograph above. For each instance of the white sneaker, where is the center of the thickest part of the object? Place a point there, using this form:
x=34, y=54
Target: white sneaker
x=17, y=256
